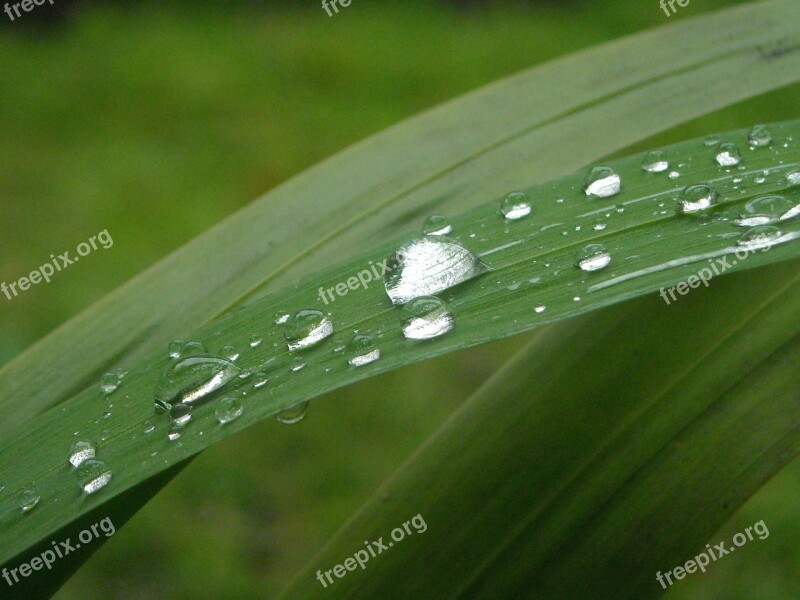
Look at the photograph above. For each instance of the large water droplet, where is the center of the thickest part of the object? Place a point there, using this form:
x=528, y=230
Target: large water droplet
x=764, y=210
x=426, y=318
x=228, y=409
x=361, y=351
x=306, y=328
x=655, y=162
x=593, y=257
x=80, y=452
x=293, y=414
x=28, y=499
x=427, y=266
x=759, y=136
x=760, y=238
x=191, y=380
x=515, y=206
x=602, y=182
x=696, y=198
x=437, y=225
x=728, y=155
x=93, y=475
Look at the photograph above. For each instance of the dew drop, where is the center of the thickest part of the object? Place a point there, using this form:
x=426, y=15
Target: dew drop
x=230, y=353
x=109, y=382
x=255, y=341
x=429, y=265
x=793, y=178
x=80, y=452
x=602, y=182
x=759, y=136
x=193, y=349
x=175, y=348
x=728, y=155
x=297, y=364
x=93, y=475
x=593, y=257
x=148, y=426
x=180, y=413
x=655, y=162
x=437, y=225
x=175, y=432
x=361, y=351
x=306, y=328
x=696, y=198
x=759, y=238
x=293, y=414
x=193, y=379
x=539, y=308
x=766, y=209
x=515, y=206
x=281, y=317
x=711, y=140
x=426, y=318
x=261, y=380
x=674, y=175
x=28, y=499
x=229, y=409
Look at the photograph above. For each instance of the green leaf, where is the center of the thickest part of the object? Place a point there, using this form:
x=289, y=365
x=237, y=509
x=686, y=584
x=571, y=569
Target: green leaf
x=534, y=126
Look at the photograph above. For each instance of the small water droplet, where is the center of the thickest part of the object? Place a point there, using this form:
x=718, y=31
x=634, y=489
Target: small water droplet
x=437, y=225
x=297, y=364
x=655, y=162
x=674, y=175
x=602, y=182
x=361, y=351
x=180, y=413
x=759, y=136
x=193, y=349
x=293, y=414
x=28, y=499
x=104, y=435
x=728, y=155
x=426, y=318
x=175, y=432
x=306, y=328
x=515, y=206
x=599, y=226
x=148, y=426
x=759, y=238
x=261, y=380
x=230, y=353
x=93, y=475
x=764, y=210
x=793, y=178
x=696, y=198
x=281, y=317
x=81, y=451
x=254, y=341
x=109, y=382
x=228, y=409
x=593, y=257
x=711, y=140
x=175, y=348
x=539, y=308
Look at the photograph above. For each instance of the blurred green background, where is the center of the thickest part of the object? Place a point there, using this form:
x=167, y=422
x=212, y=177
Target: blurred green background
x=155, y=121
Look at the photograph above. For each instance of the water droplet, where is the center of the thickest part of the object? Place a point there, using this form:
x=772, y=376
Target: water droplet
x=148, y=426
x=655, y=162
x=261, y=380
x=175, y=432
x=711, y=140
x=293, y=414
x=192, y=379
x=228, y=409
x=254, y=341
x=426, y=318
x=593, y=257
x=297, y=364
x=429, y=265
x=515, y=206
x=230, y=353
x=109, y=382
x=766, y=209
x=674, y=175
x=696, y=198
x=728, y=155
x=193, y=349
x=180, y=413
x=104, y=435
x=602, y=182
x=93, y=475
x=599, y=226
x=81, y=451
x=759, y=238
x=437, y=225
x=28, y=499
x=793, y=178
x=361, y=351
x=759, y=136
x=281, y=317
x=306, y=328
x=539, y=308
x=175, y=348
